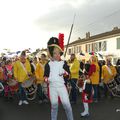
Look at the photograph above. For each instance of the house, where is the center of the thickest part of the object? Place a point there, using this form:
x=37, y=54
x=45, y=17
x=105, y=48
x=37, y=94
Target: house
x=106, y=44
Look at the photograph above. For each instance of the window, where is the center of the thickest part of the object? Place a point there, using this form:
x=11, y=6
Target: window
x=104, y=46
x=118, y=43
x=100, y=46
x=115, y=61
x=92, y=46
x=73, y=50
x=86, y=47
x=79, y=49
x=89, y=48
x=96, y=47
x=69, y=51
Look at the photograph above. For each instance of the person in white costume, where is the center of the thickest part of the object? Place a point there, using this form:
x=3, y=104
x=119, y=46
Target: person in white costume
x=55, y=70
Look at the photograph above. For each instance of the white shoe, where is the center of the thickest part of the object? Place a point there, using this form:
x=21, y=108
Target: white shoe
x=20, y=102
x=83, y=114
x=25, y=102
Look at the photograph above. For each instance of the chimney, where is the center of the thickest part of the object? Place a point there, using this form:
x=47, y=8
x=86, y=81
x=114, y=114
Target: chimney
x=115, y=28
x=87, y=35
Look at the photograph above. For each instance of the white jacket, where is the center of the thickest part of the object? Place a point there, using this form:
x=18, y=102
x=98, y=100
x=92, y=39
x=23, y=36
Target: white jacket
x=56, y=74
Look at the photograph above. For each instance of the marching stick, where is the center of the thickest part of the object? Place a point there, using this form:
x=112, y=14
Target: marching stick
x=69, y=35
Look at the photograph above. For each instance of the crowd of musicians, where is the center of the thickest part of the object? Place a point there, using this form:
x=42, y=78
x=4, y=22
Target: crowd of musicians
x=22, y=68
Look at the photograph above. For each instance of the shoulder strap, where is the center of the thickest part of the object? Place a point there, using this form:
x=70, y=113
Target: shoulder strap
x=34, y=66
x=109, y=70
x=23, y=68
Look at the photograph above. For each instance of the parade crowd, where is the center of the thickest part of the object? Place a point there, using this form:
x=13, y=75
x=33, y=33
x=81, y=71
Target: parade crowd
x=14, y=72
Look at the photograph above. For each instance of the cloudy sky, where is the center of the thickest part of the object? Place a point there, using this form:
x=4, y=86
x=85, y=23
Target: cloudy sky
x=30, y=23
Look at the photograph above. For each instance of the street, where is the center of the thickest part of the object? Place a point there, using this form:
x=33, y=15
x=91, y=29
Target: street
x=103, y=110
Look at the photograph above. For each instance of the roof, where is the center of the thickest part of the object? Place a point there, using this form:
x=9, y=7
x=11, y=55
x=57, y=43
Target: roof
x=97, y=37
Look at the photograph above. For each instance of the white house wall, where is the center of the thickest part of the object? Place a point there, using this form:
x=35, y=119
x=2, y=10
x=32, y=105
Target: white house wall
x=111, y=47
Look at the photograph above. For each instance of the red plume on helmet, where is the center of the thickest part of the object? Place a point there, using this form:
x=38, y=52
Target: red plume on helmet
x=61, y=41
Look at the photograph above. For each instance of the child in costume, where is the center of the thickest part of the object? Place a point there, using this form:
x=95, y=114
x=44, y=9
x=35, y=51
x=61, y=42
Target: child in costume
x=86, y=97
x=90, y=85
x=9, y=71
x=22, y=72
x=87, y=92
x=54, y=73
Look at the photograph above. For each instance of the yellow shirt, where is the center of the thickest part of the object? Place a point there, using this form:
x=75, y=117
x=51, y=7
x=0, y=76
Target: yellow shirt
x=106, y=76
x=94, y=77
x=39, y=73
x=19, y=72
x=74, y=69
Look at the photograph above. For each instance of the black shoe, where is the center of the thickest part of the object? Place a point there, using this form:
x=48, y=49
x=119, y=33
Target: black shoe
x=11, y=98
x=85, y=115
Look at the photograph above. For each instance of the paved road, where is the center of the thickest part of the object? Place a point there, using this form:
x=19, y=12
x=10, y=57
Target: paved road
x=104, y=110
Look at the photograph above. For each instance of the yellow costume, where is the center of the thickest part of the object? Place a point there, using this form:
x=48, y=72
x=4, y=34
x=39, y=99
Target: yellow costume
x=74, y=68
x=94, y=71
x=19, y=72
x=106, y=75
x=39, y=73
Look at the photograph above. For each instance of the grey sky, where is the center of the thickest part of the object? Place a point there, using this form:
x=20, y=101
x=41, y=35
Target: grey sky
x=30, y=23
x=91, y=15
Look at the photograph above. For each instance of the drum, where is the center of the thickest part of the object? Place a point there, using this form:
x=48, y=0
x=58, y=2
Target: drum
x=13, y=84
x=117, y=79
x=114, y=88
x=30, y=88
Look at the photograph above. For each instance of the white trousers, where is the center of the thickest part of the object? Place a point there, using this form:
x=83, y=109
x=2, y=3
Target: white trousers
x=64, y=97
